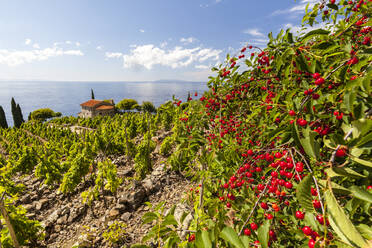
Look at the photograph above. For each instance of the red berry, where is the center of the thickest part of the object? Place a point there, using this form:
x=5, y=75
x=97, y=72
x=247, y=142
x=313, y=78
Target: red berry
x=278, y=155
x=269, y=216
x=316, y=204
x=316, y=96
x=192, y=237
x=264, y=205
x=311, y=243
x=247, y=232
x=292, y=113
x=320, y=219
x=341, y=152
x=228, y=205
x=299, y=215
x=288, y=185
x=369, y=187
x=316, y=75
x=306, y=230
x=254, y=226
x=319, y=81
x=313, y=192
x=302, y=122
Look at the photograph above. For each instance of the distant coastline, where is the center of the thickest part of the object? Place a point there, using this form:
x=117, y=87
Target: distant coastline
x=66, y=96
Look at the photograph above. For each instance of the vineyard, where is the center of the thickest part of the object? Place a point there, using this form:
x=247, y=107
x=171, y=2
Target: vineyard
x=276, y=154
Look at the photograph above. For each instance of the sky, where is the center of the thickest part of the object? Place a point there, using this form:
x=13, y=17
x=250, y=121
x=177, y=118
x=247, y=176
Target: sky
x=137, y=40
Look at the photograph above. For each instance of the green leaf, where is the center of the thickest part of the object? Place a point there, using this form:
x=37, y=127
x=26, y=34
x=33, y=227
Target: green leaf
x=365, y=230
x=332, y=6
x=303, y=193
x=149, y=217
x=361, y=194
x=263, y=233
x=310, y=145
x=348, y=172
x=364, y=140
x=315, y=32
x=230, y=236
x=361, y=161
x=202, y=240
x=349, y=99
x=341, y=223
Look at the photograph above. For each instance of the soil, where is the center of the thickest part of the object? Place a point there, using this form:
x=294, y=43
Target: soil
x=69, y=222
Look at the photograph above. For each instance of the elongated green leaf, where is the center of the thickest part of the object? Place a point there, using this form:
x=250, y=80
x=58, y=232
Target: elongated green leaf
x=341, y=223
x=361, y=194
x=202, y=240
x=335, y=172
x=149, y=217
x=263, y=233
x=365, y=230
x=230, y=236
x=303, y=193
x=315, y=32
x=245, y=240
x=361, y=161
x=339, y=232
x=364, y=140
x=309, y=144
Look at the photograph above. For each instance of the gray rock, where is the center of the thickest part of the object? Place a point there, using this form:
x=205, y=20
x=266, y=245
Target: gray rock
x=126, y=216
x=113, y=214
x=57, y=228
x=134, y=199
x=26, y=199
x=51, y=219
x=41, y=204
x=62, y=220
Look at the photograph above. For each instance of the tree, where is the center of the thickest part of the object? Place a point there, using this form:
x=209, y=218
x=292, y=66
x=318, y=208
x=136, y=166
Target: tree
x=126, y=104
x=19, y=112
x=92, y=93
x=148, y=107
x=16, y=113
x=43, y=114
x=3, y=122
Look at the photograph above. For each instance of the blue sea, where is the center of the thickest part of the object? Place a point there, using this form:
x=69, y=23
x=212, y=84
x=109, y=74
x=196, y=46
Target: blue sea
x=66, y=97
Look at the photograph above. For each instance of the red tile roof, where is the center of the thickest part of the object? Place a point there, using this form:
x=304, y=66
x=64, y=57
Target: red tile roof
x=105, y=107
x=91, y=103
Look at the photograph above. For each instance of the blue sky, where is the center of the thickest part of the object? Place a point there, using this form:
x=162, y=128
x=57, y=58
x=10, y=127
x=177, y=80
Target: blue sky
x=137, y=40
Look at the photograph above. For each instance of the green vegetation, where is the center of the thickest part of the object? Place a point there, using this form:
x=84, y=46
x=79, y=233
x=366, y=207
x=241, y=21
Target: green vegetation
x=126, y=104
x=43, y=114
x=17, y=114
x=3, y=122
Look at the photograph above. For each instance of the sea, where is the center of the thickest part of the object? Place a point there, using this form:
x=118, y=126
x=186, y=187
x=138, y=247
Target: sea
x=66, y=97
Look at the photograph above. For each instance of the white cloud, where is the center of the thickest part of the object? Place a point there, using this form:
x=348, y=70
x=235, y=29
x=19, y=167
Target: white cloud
x=77, y=44
x=163, y=44
x=14, y=58
x=113, y=55
x=297, y=30
x=188, y=40
x=99, y=48
x=202, y=67
x=253, y=32
x=68, y=42
x=74, y=52
x=298, y=8
x=142, y=31
x=28, y=41
x=147, y=56
x=36, y=46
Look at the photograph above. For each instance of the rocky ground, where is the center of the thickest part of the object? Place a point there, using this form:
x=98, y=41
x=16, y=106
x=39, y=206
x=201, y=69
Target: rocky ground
x=70, y=223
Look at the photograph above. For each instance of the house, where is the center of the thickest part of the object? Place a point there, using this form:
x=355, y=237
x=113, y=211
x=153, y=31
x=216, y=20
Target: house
x=94, y=107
